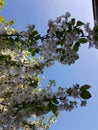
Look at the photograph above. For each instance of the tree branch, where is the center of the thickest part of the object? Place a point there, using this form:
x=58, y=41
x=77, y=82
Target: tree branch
x=4, y=104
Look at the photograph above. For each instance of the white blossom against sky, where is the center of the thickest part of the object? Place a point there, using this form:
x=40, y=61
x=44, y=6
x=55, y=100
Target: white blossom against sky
x=84, y=71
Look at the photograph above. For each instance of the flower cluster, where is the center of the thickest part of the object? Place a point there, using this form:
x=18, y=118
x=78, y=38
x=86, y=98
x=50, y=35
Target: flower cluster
x=58, y=44
x=92, y=35
x=23, y=103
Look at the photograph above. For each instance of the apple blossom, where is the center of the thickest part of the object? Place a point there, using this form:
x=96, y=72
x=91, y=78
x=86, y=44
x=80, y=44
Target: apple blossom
x=24, y=101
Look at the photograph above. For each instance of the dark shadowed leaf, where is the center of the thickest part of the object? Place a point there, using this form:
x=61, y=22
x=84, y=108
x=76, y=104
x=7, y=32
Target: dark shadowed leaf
x=96, y=38
x=85, y=95
x=52, y=107
x=79, y=31
x=82, y=40
x=79, y=23
x=95, y=28
x=69, y=91
x=85, y=87
x=54, y=100
x=58, y=34
x=76, y=47
x=72, y=21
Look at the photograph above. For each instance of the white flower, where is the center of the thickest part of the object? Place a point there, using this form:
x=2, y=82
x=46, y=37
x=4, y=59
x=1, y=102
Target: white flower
x=58, y=19
x=67, y=15
x=3, y=31
x=50, y=23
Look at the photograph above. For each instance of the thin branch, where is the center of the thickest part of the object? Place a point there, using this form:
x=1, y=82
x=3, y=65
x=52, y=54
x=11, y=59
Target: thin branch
x=4, y=104
x=18, y=35
x=10, y=35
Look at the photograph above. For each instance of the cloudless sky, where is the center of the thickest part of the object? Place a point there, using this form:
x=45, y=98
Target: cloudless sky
x=84, y=71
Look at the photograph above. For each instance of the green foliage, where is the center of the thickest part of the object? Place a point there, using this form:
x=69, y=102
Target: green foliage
x=96, y=37
x=69, y=91
x=54, y=100
x=73, y=21
x=59, y=34
x=34, y=34
x=1, y=4
x=23, y=64
x=69, y=27
x=76, y=46
x=33, y=51
x=84, y=93
x=79, y=23
x=52, y=107
x=85, y=87
x=95, y=29
x=83, y=40
x=33, y=81
x=5, y=58
x=79, y=31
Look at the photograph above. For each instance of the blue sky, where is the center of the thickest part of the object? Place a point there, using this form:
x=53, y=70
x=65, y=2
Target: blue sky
x=84, y=71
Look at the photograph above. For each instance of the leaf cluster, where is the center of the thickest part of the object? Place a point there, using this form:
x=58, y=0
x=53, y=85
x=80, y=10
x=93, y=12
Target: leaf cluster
x=85, y=94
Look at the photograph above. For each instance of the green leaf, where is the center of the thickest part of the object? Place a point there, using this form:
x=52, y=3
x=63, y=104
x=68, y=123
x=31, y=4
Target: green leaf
x=54, y=100
x=79, y=31
x=69, y=27
x=69, y=91
x=34, y=33
x=37, y=37
x=33, y=51
x=85, y=87
x=72, y=21
x=79, y=23
x=52, y=107
x=58, y=34
x=33, y=82
x=82, y=40
x=33, y=27
x=96, y=38
x=76, y=46
x=62, y=58
x=85, y=95
x=95, y=28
